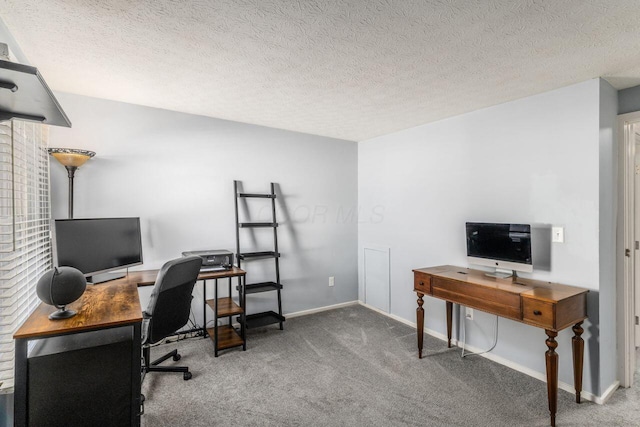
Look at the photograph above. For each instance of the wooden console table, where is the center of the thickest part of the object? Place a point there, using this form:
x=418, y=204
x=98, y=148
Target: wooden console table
x=550, y=306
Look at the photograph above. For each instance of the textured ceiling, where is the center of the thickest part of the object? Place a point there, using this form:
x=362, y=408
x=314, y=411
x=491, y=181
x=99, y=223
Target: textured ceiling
x=350, y=69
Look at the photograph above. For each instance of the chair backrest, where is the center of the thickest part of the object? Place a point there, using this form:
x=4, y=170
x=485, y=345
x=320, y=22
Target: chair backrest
x=170, y=302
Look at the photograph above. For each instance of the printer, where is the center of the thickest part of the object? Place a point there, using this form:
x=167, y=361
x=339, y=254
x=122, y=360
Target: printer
x=214, y=259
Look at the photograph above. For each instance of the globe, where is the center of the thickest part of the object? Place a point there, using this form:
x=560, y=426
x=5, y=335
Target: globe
x=61, y=286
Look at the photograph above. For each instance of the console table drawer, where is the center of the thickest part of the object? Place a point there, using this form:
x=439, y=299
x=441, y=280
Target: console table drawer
x=538, y=312
x=422, y=282
x=488, y=299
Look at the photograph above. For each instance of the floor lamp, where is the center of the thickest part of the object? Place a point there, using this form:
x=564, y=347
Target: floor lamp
x=71, y=159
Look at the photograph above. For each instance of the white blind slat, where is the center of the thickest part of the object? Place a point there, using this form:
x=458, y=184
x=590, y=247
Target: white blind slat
x=25, y=217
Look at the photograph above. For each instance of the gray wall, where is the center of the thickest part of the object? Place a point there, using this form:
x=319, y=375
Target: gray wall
x=175, y=171
x=629, y=100
x=608, y=202
x=534, y=160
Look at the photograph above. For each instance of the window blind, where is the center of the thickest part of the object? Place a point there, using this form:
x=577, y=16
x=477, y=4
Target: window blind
x=25, y=245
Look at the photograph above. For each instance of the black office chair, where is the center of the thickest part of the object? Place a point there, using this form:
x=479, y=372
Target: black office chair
x=169, y=309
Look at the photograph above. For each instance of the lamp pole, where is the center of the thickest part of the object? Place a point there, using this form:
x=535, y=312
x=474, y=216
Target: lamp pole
x=71, y=170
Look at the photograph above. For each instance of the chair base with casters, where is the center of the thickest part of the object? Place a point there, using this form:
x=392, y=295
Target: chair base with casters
x=153, y=366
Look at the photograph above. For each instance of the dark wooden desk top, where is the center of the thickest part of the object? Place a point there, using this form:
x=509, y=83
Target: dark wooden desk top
x=101, y=306
x=148, y=277
x=109, y=304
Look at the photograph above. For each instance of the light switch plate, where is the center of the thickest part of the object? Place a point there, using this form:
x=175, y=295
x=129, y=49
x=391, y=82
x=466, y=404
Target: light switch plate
x=557, y=234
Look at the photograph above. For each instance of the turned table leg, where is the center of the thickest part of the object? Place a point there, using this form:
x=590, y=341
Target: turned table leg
x=420, y=321
x=449, y=322
x=551, y=358
x=578, y=357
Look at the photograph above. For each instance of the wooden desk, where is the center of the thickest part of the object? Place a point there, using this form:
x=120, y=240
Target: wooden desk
x=550, y=306
x=106, y=306
x=100, y=308
x=223, y=336
x=148, y=277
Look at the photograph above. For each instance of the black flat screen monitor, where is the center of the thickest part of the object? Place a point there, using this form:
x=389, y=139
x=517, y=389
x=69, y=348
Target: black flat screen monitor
x=504, y=246
x=98, y=245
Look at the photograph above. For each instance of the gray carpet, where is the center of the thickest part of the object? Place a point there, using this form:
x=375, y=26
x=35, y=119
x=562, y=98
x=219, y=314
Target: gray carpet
x=355, y=367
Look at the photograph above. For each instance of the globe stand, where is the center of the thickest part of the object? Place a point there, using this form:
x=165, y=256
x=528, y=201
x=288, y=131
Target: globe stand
x=59, y=287
x=62, y=313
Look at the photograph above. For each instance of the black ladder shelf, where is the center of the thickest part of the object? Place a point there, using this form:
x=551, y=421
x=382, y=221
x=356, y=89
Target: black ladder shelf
x=268, y=317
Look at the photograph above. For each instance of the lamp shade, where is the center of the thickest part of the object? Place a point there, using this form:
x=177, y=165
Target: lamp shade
x=71, y=156
x=59, y=287
x=71, y=159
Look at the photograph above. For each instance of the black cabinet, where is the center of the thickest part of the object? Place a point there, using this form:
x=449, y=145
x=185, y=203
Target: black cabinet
x=81, y=379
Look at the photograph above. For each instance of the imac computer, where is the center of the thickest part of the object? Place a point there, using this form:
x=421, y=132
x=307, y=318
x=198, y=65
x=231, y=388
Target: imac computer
x=506, y=247
x=98, y=246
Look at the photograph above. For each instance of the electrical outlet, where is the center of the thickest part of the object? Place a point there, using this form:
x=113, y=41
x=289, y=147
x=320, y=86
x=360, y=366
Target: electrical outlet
x=332, y=281
x=468, y=314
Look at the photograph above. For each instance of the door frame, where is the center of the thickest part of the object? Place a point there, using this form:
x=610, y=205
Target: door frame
x=625, y=300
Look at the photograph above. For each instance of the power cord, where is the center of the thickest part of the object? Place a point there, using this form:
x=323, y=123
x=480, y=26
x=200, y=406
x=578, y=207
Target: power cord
x=182, y=336
x=195, y=331
x=464, y=337
x=192, y=320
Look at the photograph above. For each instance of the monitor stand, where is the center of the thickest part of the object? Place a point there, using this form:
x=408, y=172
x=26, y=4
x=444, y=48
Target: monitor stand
x=105, y=277
x=502, y=274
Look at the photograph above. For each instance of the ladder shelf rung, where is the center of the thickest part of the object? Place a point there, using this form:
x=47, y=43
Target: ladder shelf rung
x=263, y=319
x=247, y=255
x=258, y=196
x=257, y=224
x=254, y=288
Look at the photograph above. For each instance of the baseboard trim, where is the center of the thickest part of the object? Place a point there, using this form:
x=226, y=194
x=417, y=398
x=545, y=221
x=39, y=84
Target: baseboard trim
x=393, y=316
x=607, y=393
x=506, y=362
x=321, y=309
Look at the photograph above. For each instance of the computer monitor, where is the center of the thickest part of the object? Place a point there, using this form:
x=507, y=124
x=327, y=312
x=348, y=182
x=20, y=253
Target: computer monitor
x=96, y=246
x=503, y=246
